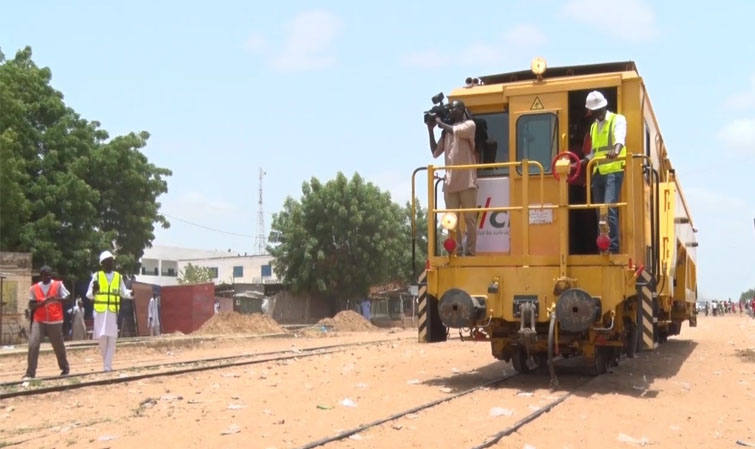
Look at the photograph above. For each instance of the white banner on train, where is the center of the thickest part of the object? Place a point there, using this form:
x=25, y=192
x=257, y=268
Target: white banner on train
x=493, y=228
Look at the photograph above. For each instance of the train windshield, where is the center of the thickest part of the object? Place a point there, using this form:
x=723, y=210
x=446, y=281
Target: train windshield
x=497, y=146
x=536, y=139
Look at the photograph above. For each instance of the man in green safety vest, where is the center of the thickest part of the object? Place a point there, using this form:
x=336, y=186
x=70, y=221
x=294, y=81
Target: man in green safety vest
x=106, y=290
x=608, y=134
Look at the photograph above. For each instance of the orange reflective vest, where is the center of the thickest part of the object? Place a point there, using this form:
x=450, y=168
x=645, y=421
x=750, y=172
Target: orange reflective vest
x=52, y=312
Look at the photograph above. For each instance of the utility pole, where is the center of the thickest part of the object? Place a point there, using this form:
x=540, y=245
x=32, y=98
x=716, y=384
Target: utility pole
x=261, y=240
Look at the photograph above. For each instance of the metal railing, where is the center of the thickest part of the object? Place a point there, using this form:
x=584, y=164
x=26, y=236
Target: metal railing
x=524, y=168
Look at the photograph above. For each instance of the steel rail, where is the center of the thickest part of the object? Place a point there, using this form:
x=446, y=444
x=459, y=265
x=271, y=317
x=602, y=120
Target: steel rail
x=534, y=415
x=305, y=352
x=137, y=341
x=360, y=428
x=527, y=419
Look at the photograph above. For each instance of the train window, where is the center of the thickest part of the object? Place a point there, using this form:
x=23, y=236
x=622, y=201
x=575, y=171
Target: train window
x=536, y=139
x=497, y=146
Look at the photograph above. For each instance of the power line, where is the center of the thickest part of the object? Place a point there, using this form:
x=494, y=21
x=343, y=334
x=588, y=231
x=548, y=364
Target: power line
x=207, y=227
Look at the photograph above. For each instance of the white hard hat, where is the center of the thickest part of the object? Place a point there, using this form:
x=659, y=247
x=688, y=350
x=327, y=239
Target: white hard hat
x=106, y=255
x=595, y=100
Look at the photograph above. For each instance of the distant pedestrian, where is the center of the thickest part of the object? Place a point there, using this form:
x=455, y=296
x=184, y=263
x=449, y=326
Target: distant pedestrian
x=45, y=305
x=217, y=307
x=79, y=327
x=366, y=307
x=153, y=316
x=106, y=289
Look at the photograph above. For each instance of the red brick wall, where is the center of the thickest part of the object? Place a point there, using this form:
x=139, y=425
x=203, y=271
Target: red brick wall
x=186, y=307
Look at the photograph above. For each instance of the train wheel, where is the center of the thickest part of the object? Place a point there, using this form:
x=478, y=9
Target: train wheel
x=519, y=360
x=541, y=358
x=600, y=363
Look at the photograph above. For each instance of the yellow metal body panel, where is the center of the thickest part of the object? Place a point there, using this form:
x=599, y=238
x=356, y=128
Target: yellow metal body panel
x=539, y=259
x=615, y=281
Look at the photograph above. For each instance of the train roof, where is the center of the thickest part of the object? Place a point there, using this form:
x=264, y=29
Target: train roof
x=555, y=72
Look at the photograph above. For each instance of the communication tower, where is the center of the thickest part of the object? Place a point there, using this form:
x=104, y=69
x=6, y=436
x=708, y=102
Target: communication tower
x=261, y=240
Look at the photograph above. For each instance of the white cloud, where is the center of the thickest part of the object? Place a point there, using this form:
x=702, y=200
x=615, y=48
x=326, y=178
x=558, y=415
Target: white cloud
x=255, y=43
x=631, y=20
x=743, y=100
x=397, y=183
x=725, y=221
x=430, y=59
x=309, y=42
x=523, y=38
x=706, y=200
x=479, y=54
x=526, y=35
x=739, y=134
x=195, y=206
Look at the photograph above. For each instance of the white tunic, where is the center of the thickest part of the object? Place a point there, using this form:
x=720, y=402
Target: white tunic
x=106, y=323
x=153, y=316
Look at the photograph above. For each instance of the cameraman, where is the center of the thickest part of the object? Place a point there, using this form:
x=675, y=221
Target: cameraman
x=460, y=186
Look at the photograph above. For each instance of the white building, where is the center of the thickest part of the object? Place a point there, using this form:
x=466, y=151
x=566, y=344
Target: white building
x=236, y=269
x=161, y=265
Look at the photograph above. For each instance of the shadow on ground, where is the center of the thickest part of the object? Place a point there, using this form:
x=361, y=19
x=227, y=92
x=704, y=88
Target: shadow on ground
x=632, y=377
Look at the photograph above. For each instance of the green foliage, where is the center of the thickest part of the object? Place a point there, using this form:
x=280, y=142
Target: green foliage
x=747, y=296
x=69, y=192
x=195, y=275
x=341, y=238
x=420, y=253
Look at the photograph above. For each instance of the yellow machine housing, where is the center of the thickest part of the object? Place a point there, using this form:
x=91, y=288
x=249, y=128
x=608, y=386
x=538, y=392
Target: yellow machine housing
x=509, y=292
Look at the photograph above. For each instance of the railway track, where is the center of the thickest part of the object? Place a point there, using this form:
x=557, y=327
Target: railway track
x=45, y=385
x=145, y=341
x=490, y=440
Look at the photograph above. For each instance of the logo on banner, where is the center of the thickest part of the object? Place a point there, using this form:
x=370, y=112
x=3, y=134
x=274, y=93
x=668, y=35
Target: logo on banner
x=495, y=219
x=493, y=227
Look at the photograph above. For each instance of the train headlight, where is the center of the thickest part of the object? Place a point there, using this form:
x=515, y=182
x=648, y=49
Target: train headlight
x=448, y=221
x=538, y=66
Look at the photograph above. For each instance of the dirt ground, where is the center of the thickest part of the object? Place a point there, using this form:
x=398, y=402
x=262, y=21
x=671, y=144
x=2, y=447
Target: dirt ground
x=696, y=391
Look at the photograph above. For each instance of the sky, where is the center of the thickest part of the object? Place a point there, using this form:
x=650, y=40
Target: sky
x=306, y=89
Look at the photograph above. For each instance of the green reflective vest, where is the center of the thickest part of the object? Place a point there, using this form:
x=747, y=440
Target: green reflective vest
x=602, y=142
x=109, y=296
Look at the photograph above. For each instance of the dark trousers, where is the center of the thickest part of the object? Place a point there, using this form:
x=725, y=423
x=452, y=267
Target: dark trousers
x=55, y=333
x=607, y=189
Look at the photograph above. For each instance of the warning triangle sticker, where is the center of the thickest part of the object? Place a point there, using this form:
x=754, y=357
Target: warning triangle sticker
x=537, y=104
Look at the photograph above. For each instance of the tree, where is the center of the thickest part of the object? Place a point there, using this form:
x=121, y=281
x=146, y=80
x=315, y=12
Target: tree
x=406, y=271
x=339, y=239
x=747, y=296
x=195, y=275
x=69, y=192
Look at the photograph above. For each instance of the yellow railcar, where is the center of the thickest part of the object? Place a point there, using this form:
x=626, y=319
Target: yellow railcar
x=539, y=283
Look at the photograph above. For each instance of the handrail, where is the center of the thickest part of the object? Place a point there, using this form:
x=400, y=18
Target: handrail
x=588, y=178
x=536, y=164
x=414, y=221
x=524, y=165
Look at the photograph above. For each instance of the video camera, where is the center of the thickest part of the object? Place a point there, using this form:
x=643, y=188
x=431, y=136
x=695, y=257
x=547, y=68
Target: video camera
x=439, y=109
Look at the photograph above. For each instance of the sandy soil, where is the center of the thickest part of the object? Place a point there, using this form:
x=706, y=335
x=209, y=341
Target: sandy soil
x=695, y=391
